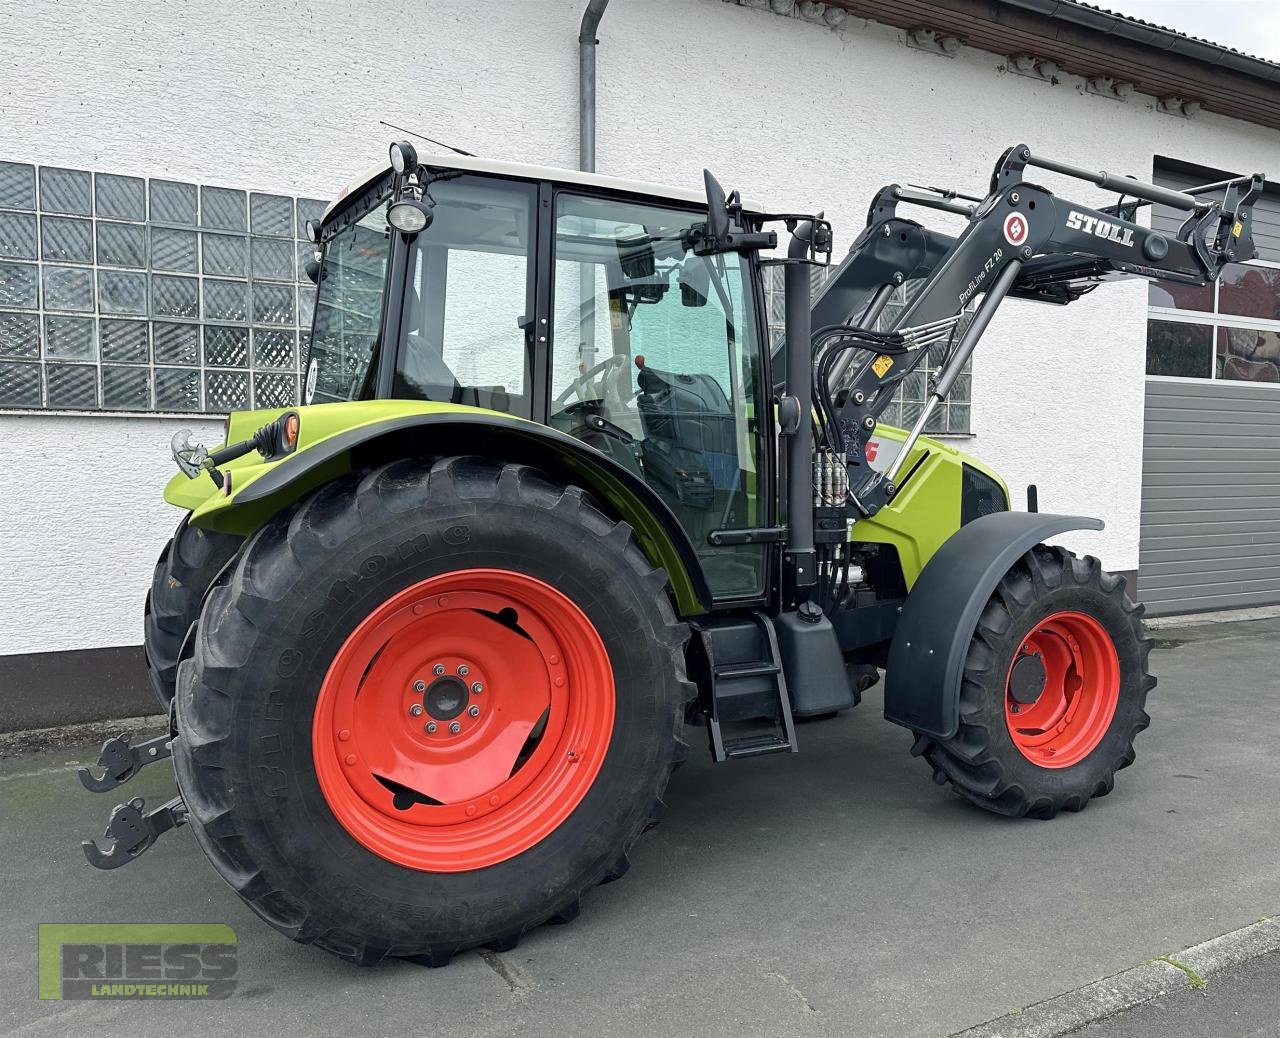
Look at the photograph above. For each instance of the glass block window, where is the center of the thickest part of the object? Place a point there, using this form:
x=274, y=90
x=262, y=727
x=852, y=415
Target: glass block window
x=119, y=293
x=951, y=418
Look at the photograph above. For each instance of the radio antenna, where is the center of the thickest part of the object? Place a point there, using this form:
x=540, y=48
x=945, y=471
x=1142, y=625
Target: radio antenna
x=432, y=140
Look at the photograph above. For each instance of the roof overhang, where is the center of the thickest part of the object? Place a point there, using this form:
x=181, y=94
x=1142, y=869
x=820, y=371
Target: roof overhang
x=1087, y=41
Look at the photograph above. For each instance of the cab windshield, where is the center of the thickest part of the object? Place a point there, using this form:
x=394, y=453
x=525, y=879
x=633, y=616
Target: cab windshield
x=346, y=335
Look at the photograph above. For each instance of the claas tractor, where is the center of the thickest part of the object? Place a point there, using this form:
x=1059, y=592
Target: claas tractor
x=432, y=643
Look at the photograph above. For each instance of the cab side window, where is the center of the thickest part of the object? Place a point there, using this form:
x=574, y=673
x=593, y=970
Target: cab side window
x=470, y=291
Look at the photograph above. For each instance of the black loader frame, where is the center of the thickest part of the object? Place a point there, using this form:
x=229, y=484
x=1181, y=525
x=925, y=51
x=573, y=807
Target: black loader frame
x=1021, y=241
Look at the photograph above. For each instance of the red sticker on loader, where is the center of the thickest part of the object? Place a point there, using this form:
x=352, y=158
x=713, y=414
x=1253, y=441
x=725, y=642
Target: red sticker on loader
x=1015, y=228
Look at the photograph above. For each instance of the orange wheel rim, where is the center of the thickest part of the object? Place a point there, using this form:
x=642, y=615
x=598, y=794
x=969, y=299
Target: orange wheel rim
x=463, y=720
x=1062, y=690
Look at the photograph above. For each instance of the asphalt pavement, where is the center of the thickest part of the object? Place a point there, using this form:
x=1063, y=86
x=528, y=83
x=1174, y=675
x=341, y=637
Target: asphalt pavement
x=837, y=891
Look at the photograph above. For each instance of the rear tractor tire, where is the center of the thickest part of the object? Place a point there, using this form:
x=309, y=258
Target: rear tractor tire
x=1054, y=690
x=190, y=562
x=432, y=706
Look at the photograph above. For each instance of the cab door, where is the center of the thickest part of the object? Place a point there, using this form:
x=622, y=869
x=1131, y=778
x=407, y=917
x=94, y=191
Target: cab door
x=656, y=359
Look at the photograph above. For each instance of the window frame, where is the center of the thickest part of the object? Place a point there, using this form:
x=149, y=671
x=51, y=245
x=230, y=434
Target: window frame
x=1215, y=320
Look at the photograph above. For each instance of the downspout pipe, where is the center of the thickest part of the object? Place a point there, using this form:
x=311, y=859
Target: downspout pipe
x=587, y=84
x=587, y=163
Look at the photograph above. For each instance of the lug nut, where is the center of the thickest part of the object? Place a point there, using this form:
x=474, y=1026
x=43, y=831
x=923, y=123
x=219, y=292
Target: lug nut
x=438, y=669
x=430, y=727
x=477, y=688
x=415, y=710
x=455, y=727
x=463, y=671
x=419, y=686
x=474, y=711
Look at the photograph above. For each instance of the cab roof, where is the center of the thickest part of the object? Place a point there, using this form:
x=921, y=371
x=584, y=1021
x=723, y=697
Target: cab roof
x=523, y=171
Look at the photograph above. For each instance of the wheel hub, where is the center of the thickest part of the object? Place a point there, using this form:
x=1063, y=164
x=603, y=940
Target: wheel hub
x=446, y=698
x=1026, y=679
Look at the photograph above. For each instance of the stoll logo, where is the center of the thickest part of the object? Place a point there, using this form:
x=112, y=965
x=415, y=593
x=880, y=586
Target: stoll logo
x=1100, y=228
x=137, y=960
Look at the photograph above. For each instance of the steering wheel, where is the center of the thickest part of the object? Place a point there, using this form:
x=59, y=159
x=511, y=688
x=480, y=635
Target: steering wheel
x=582, y=381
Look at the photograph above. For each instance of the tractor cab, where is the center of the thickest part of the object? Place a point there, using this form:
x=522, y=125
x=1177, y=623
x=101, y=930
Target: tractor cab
x=573, y=300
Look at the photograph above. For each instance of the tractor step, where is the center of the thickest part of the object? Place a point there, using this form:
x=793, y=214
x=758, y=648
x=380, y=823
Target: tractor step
x=756, y=746
x=749, y=712
x=132, y=830
x=120, y=761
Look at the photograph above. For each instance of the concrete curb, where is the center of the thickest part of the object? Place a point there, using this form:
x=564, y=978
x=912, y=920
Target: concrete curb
x=1103, y=998
x=1222, y=616
x=38, y=740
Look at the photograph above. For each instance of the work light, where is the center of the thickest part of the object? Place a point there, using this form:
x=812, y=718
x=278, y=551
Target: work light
x=403, y=157
x=409, y=216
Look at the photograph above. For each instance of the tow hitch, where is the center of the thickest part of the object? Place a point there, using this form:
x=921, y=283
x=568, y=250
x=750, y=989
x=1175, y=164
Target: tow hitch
x=120, y=761
x=133, y=830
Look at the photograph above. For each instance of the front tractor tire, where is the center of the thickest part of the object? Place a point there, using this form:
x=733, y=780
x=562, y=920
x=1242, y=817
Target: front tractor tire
x=431, y=707
x=1054, y=690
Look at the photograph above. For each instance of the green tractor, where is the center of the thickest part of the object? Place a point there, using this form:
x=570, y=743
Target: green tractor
x=432, y=642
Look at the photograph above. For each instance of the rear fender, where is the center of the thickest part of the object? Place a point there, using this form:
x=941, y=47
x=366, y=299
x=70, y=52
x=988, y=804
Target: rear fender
x=926, y=657
x=380, y=431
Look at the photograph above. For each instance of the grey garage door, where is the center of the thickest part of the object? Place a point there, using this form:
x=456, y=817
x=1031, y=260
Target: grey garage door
x=1210, y=497
x=1211, y=452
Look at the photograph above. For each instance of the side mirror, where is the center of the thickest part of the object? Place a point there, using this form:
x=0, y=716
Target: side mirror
x=695, y=281
x=724, y=230
x=717, y=207
x=312, y=269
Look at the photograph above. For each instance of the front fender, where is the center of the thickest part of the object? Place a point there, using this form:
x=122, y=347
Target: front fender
x=926, y=657
x=336, y=438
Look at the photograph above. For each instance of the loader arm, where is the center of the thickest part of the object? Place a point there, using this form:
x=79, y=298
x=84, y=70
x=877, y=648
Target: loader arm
x=1021, y=240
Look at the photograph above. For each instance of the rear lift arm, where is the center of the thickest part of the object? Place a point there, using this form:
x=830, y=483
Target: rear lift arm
x=1021, y=240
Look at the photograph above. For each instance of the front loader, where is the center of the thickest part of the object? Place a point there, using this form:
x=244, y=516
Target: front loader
x=432, y=642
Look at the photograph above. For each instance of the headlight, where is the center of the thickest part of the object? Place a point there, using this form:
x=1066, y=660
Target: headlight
x=979, y=495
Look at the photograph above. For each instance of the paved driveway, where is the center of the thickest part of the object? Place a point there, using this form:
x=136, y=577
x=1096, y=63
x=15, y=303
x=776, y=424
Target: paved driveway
x=834, y=892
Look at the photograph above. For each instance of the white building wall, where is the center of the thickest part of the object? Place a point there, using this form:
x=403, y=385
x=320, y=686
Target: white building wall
x=276, y=95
